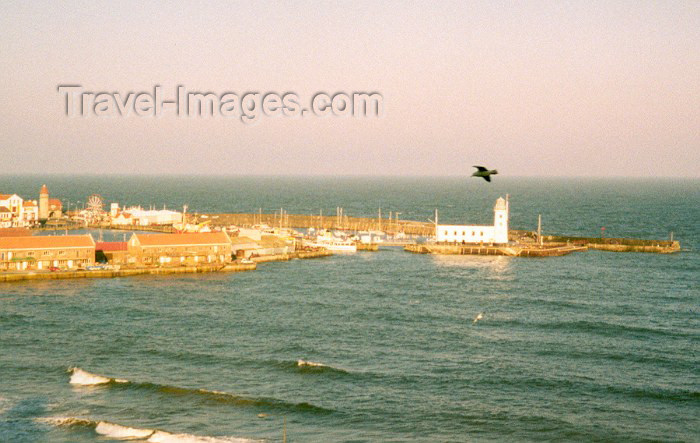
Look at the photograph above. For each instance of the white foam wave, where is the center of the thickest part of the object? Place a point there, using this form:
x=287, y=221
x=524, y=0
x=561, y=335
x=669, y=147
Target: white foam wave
x=85, y=378
x=120, y=432
x=302, y=363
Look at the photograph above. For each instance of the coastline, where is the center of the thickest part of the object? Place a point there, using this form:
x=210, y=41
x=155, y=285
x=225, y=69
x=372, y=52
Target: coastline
x=129, y=272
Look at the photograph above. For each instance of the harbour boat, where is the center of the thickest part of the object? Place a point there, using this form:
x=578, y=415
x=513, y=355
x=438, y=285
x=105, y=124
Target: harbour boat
x=326, y=240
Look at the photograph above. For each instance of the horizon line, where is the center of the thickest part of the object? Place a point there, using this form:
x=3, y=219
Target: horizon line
x=350, y=175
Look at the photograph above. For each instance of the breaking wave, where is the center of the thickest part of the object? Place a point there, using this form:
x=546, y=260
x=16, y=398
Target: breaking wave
x=87, y=378
x=121, y=432
x=311, y=366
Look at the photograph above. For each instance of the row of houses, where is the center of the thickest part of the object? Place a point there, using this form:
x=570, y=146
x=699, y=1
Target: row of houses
x=79, y=251
x=16, y=212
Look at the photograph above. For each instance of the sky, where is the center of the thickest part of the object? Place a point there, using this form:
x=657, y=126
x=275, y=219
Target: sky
x=534, y=88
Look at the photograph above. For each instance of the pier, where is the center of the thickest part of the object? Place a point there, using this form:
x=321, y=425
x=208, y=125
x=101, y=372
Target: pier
x=616, y=244
x=126, y=272
x=510, y=251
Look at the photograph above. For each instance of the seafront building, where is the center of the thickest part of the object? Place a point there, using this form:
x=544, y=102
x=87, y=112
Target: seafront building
x=43, y=252
x=463, y=234
x=16, y=212
x=179, y=249
x=137, y=216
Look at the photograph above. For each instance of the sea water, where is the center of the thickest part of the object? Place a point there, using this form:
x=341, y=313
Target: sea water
x=374, y=346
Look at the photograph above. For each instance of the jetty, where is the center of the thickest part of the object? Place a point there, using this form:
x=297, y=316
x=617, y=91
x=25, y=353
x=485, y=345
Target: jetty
x=505, y=250
x=124, y=272
x=297, y=255
x=615, y=244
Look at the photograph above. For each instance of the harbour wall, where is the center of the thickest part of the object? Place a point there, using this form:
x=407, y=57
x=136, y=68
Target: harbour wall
x=510, y=251
x=616, y=244
x=408, y=227
x=291, y=256
x=128, y=272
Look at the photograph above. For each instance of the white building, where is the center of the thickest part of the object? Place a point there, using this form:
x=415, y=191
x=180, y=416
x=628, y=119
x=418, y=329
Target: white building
x=496, y=234
x=137, y=216
x=15, y=212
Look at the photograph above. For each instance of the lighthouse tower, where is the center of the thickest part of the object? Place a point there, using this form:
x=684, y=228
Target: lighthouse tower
x=500, y=221
x=44, y=203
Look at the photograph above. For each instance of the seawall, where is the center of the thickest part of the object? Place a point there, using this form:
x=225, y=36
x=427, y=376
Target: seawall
x=291, y=256
x=36, y=275
x=510, y=251
x=616, y=244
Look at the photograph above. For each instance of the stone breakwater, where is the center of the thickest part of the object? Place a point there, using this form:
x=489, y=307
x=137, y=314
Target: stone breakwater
x=511, y=251
x=291, y=256
x=616, y=244
x=128, y=272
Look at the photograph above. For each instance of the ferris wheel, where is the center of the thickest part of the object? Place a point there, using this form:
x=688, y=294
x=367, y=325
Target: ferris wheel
x=95, y=203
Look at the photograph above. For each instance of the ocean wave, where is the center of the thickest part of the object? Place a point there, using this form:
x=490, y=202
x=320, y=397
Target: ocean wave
x=122, y=432
x=83, y=377
x=312, y=366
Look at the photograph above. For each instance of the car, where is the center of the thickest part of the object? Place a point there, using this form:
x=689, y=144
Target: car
x=54, y=268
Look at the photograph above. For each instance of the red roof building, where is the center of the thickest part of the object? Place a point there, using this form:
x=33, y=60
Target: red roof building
x=42, y=252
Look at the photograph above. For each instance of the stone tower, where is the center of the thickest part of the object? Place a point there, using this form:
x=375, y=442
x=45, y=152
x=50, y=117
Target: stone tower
x=44, y=203
x=500, y=221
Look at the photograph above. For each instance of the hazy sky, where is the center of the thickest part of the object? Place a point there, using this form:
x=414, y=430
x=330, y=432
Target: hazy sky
x=532, y=88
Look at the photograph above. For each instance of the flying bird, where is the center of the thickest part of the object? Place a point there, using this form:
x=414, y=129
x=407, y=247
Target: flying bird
x=484, y=173
x=478, y=317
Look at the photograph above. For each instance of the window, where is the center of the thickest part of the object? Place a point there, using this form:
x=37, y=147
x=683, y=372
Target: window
x=61, y=252
x=447, y=233
x=462, y=233
x=47, y=253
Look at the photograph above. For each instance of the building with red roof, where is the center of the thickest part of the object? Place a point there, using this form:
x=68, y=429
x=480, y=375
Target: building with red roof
x=43, y=252
x=180, y=249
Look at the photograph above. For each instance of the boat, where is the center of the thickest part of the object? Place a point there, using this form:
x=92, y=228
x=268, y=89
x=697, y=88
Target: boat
x=326, y=240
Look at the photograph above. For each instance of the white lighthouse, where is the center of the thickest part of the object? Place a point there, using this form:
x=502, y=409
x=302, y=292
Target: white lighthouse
x=496, y=234
x=500, y=221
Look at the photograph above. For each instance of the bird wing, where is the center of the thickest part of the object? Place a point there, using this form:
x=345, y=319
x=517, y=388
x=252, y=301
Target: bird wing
x=487, y=178
x=480, y=168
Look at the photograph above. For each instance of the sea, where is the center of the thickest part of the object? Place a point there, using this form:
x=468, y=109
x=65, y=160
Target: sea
x=373, y=346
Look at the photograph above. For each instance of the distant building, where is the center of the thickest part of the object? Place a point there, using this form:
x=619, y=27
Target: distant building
x=42, y=252
x=31, y=212
x=244, y=246
x=15, y=212
x=115, y=253
x=180, y=249
x=496, y=234
x=136, y=216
